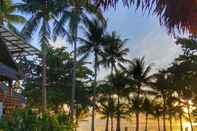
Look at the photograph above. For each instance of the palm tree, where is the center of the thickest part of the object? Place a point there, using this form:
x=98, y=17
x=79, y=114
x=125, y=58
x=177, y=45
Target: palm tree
x=136, y=103
x=147, y=108
x=179, y=110
x=106, y=102
x=81, y=114
x=163, y=86
x=114, y=52
x=94, y=33
x=186, y=82
x=42, y=13
x=157, y=113
x=73, y=13
x=170, y=108
x=174, y=15
x=8, y=17
x=119, y=82
x=107, y=108
x=139, y=73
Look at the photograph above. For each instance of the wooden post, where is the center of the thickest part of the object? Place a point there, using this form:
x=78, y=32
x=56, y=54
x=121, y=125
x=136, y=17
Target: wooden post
x=10, y=88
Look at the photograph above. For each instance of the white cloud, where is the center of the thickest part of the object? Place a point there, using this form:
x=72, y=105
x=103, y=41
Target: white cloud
x=158, y=48
x=58, y=43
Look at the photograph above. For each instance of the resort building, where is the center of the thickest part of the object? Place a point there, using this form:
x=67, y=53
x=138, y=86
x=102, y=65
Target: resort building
x=12, y=48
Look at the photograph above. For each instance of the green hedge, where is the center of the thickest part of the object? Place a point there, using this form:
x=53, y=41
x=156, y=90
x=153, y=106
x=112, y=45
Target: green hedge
x=27, y=120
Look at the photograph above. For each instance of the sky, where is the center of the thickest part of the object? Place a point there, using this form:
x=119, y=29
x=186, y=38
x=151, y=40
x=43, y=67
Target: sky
x=146, y=37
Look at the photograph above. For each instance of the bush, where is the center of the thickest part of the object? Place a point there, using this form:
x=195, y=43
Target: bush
x=27, y=120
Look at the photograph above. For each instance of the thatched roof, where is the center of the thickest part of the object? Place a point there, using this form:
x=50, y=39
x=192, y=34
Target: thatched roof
x=17, y=46
x=8, y=69
x=5, y=56
x=12, y=46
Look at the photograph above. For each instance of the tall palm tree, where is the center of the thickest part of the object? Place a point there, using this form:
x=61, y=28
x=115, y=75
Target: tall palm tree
x=8, y=16
x=136, y=103
x=93, y=43
x=147, y=108
x=157, y=113
x=119, y=82
x=180, y=112
x=73, y=13
x=81, y=114
x=41, y=12
x=107, y=108
x=171, y=108
x=163, y=86
x=115, y=52
x=138, y=72
x=186, y=71
x=174, y=14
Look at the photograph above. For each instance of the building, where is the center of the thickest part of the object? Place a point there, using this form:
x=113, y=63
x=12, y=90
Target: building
x=12, y=47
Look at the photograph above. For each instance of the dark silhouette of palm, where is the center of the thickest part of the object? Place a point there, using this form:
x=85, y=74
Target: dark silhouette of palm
x=138, y=72
x=115, y=52
x=73, y=13
x=119, y=82
x=147, y=108
x=93, y=43
x=42, y=13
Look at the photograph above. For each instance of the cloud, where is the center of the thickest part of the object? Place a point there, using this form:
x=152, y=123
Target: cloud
x=157, y=47
x=58, y=43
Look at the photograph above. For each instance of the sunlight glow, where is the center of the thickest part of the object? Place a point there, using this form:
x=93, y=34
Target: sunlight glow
x=187, y=126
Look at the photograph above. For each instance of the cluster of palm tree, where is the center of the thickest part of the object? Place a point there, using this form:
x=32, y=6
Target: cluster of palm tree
x=53, y=19
x=169, y=94
x=137, y=92
x=123, y=91
x=108, y=50
x=122, y=94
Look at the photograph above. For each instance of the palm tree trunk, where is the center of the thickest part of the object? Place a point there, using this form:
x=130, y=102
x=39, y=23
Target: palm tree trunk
x=158, y=124
x=189, y=116
x=118, y=115
x=77, y=123
x=170, y=115
x=138, y=113
x=181, y=122
x=94, y=92
x=72, y=108
x=112, y=124
x=164, y=114
x=137, y=121
x=146, y=122
x=44, y=79
x=107, y=123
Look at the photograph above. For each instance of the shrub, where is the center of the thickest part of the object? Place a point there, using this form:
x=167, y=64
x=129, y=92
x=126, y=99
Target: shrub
x=27, y=120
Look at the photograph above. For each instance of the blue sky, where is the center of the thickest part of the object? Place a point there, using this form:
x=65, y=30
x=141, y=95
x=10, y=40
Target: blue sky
x=146, y=36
